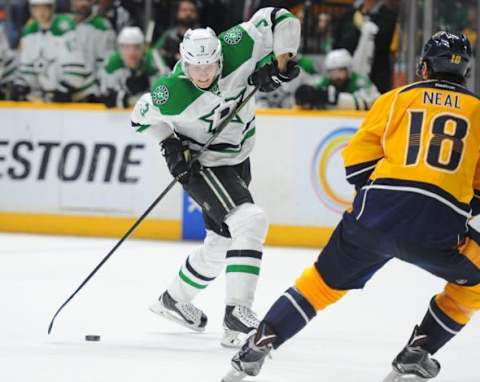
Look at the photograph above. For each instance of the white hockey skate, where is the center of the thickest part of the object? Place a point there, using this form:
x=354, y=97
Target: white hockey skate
x=239, y=322
x=413, y=363
x=185, y=314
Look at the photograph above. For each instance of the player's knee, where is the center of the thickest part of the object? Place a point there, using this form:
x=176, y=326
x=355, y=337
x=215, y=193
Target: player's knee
x=214, y=249
x=248, y=221
x=314, y=288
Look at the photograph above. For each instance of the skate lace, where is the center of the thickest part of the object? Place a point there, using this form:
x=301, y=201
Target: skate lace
x=247, y=316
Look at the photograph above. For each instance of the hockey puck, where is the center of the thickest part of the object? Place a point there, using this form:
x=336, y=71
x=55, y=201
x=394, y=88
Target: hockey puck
x=92, y=337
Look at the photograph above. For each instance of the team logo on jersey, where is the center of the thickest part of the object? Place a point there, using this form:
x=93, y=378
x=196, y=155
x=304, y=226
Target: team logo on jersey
x=160, y=95
x=325, y=167
x=233, y=36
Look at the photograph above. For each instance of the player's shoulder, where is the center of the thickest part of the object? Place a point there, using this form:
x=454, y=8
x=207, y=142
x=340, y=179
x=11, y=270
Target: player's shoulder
x=174, y=92
x=237, y=47
x=114, y=62
x=438, y=85
x=62, y=24
x=359, y=80
x=323, y=82
x=100, y=23
x=30, y=28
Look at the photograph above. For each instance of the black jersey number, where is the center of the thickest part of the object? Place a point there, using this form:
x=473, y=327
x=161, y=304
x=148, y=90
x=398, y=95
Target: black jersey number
x=440, y=135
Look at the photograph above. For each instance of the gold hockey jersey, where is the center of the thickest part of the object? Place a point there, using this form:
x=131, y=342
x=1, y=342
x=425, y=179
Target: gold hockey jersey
x=414, y=162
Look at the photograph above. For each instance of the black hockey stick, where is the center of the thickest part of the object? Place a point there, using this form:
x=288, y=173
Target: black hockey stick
x=218, y=130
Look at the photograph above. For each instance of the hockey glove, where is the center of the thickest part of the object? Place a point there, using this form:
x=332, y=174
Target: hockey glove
x=20, y=92
x=59, y=96
x=310, y=97
x=138, y=84
x=179, y=160
x=268, y=77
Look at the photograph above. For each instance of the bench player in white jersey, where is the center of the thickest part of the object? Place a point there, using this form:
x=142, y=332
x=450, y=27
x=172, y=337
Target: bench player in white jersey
x=182, y=111
x=52, y=65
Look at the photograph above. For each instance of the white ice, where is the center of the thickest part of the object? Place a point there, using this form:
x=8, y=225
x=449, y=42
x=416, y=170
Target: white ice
x=353, y=341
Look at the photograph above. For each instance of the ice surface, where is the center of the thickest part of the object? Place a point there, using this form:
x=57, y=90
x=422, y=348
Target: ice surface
x=353, y=341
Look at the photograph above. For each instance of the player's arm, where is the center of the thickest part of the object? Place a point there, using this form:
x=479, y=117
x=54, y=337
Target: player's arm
x=365, y=148
x=147, y=118
x=274, y=31
x=361, y=99
x=74, y=76
x=475, y=203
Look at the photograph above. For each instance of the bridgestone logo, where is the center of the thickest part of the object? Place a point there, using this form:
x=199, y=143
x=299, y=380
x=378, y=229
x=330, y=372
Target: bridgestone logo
x=160, y=95
x=233, y=36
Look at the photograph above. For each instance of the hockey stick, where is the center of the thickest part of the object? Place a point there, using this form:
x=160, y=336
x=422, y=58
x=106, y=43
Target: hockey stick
x=219, y=129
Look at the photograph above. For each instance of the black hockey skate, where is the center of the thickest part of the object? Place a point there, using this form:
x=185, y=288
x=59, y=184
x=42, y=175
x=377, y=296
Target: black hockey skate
x=249, y=360
x=238, y=323
x=414, y=363
x=183, y=313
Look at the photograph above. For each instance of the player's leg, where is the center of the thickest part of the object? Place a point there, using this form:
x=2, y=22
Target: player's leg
x=247, y=225
x=198, y=271
x=446, y=316
x=351, y=257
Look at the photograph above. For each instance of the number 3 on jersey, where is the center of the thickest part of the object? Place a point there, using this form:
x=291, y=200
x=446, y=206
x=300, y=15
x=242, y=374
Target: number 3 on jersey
x=446, y=144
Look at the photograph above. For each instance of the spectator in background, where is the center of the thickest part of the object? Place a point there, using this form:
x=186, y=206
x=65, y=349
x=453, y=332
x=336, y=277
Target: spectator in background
x=130, y=71
x=167, y=45
x=367, y=32
x=341, y=88
x=324, y=34
x=95, y=36
x=8, y=66
x=52, y=66
x=114, y=12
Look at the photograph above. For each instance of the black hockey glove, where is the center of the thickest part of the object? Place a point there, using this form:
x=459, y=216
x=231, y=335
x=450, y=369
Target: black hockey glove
x=137, y=84
x=178, y=160
x=310, y=97
x=59, y=96
x=20, y=92
x=110, y=98
x=268, y=77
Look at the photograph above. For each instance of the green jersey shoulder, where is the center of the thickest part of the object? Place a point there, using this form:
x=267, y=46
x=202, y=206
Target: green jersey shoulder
x=60, y=25
x=100, y=23
x=174, y=92
x=355, y=82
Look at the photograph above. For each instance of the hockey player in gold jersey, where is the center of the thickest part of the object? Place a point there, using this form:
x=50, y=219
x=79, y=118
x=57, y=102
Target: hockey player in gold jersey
x=415, y=165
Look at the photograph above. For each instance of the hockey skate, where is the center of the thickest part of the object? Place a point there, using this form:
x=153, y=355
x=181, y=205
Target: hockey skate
x=414, y=363
x=239, y=322
x=249, y=360
x=183, y=313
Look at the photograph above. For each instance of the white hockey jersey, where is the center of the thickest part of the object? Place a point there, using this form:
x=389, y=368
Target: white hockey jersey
x=128, y=85
x=97, y=40
x=51, y=60
x=8, y=62
x=177, y=105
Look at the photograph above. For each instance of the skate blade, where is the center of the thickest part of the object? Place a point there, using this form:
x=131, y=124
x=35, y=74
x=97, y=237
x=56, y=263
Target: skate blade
x=232, y=339
x=234, y=376
x=396, y=377
x=159, y=310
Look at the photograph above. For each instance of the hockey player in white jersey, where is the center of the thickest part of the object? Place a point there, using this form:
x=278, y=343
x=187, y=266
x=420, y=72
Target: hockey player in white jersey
x=8, y=65
x=52, y=66
x=182, y=112
x=341, y=88
x=94, y=34
x=131, y=71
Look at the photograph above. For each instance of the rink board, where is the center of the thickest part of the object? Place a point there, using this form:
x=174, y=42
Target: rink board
x=82, y=170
